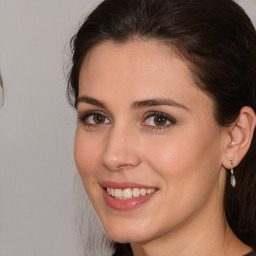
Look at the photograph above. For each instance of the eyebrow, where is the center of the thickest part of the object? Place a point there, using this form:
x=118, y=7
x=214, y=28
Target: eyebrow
x=92, y=101
x=136, y=104
x=157, y=102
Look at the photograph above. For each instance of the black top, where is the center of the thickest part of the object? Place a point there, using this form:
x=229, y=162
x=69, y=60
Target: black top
x=125, y=250
x=250, y=254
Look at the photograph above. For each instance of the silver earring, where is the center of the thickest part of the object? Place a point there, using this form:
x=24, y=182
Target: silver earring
x=232, y=178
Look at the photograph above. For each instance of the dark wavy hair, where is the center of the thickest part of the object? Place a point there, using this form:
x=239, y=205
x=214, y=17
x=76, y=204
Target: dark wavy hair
x=218, y=41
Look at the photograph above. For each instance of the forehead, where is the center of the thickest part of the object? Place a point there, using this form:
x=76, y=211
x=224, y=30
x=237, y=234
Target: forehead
x=131, y=50
x=137, y=70
x=132, y=61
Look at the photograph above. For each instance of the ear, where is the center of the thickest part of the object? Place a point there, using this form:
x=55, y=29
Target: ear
x=239, y=137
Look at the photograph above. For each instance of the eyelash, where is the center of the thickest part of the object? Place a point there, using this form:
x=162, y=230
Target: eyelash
x=82, y=118
x=161, y=115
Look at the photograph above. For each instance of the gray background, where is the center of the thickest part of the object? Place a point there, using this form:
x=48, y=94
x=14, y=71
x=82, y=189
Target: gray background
x=38, y=194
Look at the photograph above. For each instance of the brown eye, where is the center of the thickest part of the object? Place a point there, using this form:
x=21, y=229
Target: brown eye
x=99, y=119
x=95, y=119
x=157, y=120
x=160, y=120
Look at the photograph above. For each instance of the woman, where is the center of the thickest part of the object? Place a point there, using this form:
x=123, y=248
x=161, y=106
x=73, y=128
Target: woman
x=165, y=145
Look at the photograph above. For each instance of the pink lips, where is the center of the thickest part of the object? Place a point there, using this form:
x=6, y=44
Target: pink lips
x=124, y=204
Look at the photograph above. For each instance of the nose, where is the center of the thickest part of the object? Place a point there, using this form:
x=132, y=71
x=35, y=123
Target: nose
x=120, y=151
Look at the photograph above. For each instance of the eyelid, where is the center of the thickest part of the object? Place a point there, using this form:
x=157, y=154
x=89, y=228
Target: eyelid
x=157, y=113
x=83, y=116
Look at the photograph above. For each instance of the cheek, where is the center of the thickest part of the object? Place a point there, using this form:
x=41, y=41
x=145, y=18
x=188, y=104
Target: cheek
x=87, y=159
x=86, y=154
x=186, y=160
x=188, y=170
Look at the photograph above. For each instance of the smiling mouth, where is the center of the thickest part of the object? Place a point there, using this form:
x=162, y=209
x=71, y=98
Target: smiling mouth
x=129, y=193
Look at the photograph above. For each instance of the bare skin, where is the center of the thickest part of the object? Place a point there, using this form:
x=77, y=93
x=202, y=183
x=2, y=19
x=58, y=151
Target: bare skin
x=144, y=121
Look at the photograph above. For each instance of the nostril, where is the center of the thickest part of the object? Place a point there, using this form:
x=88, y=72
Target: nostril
x=117, y=165
x=126, y=166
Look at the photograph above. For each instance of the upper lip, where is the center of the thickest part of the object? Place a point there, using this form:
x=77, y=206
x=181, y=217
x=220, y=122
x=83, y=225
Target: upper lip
x=124, y=185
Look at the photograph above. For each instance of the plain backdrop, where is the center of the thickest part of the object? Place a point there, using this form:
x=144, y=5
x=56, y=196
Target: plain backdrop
x=37, y=126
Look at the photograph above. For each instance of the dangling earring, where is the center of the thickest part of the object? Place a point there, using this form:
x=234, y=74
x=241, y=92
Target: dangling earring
x=232, y=178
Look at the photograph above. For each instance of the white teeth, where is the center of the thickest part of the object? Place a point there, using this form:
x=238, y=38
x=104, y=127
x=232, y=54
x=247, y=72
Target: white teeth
x=143, y=191
x=118, y=193
x=149, y=191
x=129, y=193
x=136, y=192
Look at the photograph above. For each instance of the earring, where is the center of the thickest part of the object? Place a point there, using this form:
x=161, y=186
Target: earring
x=232, y=178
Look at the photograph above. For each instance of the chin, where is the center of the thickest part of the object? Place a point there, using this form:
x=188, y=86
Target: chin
x=127, y=237
x=127, y=231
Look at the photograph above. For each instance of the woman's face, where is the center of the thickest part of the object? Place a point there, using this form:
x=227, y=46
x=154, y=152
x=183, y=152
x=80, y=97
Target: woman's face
x=147, y=146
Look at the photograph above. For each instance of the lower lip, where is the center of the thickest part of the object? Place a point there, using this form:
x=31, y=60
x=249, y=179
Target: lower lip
x=128, y=204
